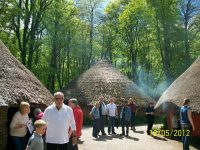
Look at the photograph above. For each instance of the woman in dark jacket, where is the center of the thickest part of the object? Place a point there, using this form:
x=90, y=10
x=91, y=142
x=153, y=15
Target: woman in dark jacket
x=125, y=117
x=150, y=112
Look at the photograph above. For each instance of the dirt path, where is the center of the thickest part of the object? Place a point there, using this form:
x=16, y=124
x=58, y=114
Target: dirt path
x=136, y=141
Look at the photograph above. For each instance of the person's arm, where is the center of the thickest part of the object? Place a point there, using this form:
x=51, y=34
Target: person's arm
x=129, y=114
x=107, y=111
x=116, y=112
x=14, y=123
x=72, y=122
x=31, y=144
x=147, y=112
x=45, y=116
x=190, y=119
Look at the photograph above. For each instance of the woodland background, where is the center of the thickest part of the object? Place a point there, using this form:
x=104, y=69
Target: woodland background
x=150, y=41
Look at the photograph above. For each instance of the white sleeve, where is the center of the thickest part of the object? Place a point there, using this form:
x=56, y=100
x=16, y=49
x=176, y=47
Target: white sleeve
x=72, y=120
x=45, y=116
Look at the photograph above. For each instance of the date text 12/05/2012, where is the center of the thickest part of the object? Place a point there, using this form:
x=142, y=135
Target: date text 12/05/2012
x=170, y=133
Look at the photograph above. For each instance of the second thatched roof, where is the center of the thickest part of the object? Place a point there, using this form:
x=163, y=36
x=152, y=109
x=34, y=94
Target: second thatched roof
x=17, y=83
x=104, y=79
x=185, y=86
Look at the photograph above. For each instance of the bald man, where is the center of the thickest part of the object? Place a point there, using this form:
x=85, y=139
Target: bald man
x=59, y=118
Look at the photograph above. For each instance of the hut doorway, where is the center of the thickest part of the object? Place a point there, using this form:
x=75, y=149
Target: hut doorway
x=10, y=114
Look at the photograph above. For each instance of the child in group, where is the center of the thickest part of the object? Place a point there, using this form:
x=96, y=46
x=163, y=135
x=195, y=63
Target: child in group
x=125, y=116
x=96, y=119
x=36, y=141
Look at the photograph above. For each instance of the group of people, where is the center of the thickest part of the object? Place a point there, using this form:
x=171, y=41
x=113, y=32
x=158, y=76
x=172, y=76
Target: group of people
x=101, y=111
x=60, y=123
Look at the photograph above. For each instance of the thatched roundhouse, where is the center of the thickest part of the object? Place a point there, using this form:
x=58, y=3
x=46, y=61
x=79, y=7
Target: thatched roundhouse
x=185, y=86
x=17, y=84
x=104, y=79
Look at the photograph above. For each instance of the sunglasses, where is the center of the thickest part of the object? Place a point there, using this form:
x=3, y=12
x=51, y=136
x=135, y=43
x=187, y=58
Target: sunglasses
x=60, y=98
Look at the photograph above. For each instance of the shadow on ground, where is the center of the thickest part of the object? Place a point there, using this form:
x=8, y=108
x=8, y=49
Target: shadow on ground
x=117, y=136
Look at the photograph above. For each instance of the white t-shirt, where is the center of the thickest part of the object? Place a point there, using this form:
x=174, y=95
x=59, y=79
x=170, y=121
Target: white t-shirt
x=58, y=123
x=111, y=109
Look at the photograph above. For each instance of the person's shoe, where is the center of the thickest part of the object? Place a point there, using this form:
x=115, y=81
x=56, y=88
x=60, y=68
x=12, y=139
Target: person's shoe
x=104, y=133
x=122, y=134
x=109, y=133
x=114, y=133
x=134, y=129
x=126, y=135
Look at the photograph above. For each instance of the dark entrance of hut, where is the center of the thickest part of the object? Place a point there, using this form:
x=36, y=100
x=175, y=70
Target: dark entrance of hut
x=10, y=114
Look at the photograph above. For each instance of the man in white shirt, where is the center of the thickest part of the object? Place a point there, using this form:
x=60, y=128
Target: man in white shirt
x=59, y=118
x=112, y=114
x=102, y=113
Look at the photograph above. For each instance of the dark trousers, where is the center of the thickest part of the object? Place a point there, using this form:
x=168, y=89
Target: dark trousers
x=186, y=137
x=19, y=143
x=185, y=140
x=132, y=120
x=111, y=124
x=101, y=121
x=150, y=120
x=96, y=127
x=51, y=146
x=125, y=124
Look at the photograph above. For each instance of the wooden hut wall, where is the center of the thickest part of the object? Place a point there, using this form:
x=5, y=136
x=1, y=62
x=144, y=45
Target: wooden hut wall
x=196, y=119
x=3, y=127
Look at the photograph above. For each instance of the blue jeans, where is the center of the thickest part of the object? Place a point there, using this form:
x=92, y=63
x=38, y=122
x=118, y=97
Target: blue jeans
x=19, y=143
x=125, y=124
x=133, y=120
x=96, y=127
x=111, y=124
x=185, y=140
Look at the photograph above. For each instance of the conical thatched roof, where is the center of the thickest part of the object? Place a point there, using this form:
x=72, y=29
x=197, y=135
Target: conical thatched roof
x=104, y=79
x=17, y=83
x=185, y=86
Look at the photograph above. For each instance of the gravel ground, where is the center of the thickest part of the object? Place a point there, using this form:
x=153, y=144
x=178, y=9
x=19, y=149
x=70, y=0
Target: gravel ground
x=138, y=140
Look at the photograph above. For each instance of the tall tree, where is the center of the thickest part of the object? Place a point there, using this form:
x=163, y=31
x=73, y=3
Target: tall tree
x=89, y=10
x=189, y=10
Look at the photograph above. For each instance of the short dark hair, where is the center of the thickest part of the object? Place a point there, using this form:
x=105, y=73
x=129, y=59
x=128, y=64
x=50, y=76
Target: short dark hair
x=186, y=101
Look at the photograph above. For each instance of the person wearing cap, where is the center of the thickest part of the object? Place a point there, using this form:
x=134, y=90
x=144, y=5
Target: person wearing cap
x=150, y=111
x=59, y=118
x=125, y=117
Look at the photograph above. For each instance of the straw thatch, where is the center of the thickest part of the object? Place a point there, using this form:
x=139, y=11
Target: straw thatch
x=185, y=86
x=104, y=79
x=17, y=83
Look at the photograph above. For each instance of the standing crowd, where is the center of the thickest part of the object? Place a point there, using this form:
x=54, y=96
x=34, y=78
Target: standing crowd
x=60, y=125
x=102, y=112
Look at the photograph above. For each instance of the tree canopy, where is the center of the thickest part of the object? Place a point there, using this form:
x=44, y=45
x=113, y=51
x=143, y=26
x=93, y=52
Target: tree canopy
x=150, y=41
